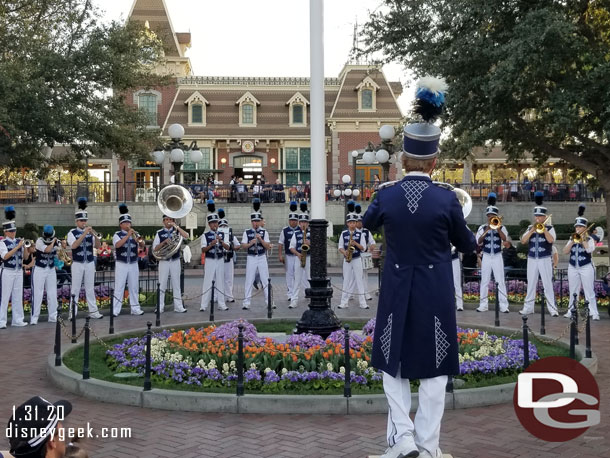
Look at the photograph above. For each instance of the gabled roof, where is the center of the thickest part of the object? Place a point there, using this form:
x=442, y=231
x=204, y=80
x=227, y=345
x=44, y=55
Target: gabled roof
x=368, y=81
x=196, y=97
x=298, y=97
x=155, y=13
x=247, y=97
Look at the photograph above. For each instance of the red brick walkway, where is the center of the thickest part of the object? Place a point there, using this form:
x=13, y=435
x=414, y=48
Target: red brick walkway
x=481, y=432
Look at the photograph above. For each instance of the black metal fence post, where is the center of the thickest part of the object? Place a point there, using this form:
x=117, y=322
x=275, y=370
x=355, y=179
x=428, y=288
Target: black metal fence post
x=212, y=300
x=57, y=342
x=111, y=329
x=526, y=344
x=497, y=321
x=269, y=298
x=240, y=360
x=588, y=332
x=561, y=287
x=449, y=387
x=543, y=317
x=147, y=383
x=86, y=349
x=576, y=299
x=158, y=309
x=573, y=334
x=73, y=312
x=181, y=281
x=347, y=387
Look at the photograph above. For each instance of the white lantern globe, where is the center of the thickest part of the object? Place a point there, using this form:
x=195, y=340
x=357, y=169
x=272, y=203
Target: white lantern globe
x=337, y=193
x=158, y=156
x=356, y=192
x=176, y=155
x=386, y=132
x=346, y=179
x=355, y=154
x=176, y=131
x=368, y=157
x=382, y=156
x=196, y=155
x=348, y=192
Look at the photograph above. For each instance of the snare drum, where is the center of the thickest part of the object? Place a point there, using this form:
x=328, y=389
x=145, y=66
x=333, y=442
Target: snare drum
x=367, y=261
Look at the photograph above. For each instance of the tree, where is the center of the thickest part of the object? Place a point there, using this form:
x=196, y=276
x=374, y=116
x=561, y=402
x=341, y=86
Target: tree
x=528, y=75
x=63, y=79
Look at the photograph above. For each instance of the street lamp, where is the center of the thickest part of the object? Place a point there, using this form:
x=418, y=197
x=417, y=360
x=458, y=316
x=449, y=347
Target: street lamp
x=176, y=149
x=383, y=153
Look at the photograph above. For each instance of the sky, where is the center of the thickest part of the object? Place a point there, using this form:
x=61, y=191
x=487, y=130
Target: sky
x=263, y=37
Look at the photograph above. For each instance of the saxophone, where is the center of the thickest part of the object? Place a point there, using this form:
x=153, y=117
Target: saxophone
x=350, y=248
x=304, y=251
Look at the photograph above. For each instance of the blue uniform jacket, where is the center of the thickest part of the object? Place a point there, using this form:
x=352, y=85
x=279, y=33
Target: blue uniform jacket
x=416, y=323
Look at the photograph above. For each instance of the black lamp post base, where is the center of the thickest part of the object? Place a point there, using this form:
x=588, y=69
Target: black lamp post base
x=319, y=319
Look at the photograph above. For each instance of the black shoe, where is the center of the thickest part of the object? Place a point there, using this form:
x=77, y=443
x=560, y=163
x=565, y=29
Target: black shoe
x=255, y=285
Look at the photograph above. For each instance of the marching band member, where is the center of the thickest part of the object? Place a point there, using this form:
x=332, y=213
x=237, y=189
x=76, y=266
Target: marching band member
x=213, y=246
x=539, y=258
x=229, y=258
x=11, y=274
x=169, y=267
x=417, y=336
x=456, y=267
x=351, y=244
x=256, y=242
x=81, y=241
x=491, y=241
x=126, y=242
x=285, y=254
x=370, y=246
x=301, y=238
x=581, y=270
x=44, y=275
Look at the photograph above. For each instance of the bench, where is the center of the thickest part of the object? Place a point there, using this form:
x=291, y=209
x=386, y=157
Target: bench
x=10, y=196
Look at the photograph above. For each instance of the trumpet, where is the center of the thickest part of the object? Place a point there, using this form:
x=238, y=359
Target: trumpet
x=495, y=223
x=62, y=254
x=28, y=243
x=582, y=236
x=95, y=234
x=137, y=237
x=540, y=226
x=304, y=251
x=350, y=248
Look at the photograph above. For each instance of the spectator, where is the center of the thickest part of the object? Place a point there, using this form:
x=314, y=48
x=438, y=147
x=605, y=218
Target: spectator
x=59, y=192
x=514, y=189
x=527, y=188
x=36, y=436
x=509, y=256
x=376, y=182
x=300, y=191
x=233, y=184
x=242, y=192
x=104, y=256
x=142, y=256
x=307, y=190
x=257, y=190
x=553, y=190
x=278, y=192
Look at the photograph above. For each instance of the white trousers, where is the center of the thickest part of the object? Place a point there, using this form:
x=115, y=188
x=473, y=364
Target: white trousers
x=492, y=263
x=365, y=284
x=12, y=288
x=86, y=271
x=229, y=272
x=544, y=268
x=254, y=264
x=456, y=266
x=290, y=262
x=126, y=273
x=170, y=268
x=44, y=278
x=214, y=271
x=427, y=427
x=583, y=276
x=352, y=274
x=301, y=277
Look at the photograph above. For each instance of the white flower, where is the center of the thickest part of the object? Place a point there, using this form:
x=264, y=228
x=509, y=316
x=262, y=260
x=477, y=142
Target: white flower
x=329, y=366
x=284, y=371
x=253, y=366
x=267, y=369
x=342, y=370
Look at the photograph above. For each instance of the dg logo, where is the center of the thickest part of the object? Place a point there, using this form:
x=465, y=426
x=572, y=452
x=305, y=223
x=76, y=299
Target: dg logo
x=557, y=399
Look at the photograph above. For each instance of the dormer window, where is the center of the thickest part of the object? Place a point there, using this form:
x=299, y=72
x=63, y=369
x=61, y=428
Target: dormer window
x=297, y=110
x=148, y=102
x=247, y=110
x=367, y=94
x=197, y=109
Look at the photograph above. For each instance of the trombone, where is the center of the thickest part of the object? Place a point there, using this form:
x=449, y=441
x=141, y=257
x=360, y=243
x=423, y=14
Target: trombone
x=539, y=227
x=95, y=234
x=581, y=237
x=137, y=237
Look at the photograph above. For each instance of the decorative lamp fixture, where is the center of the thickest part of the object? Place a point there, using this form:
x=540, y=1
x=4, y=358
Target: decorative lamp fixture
x=382, y=156
x=368, y=157
x=273, y=160
x=386, y=132
x=158, y=156
x=196, y=155
x=355, y=154
x=347, y=192
x=356, y=192
x=337, y=193
x=346, y=179
x=176, y=155
x=176, y=132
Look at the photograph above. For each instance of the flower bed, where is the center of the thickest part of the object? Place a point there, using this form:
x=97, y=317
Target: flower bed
x=207, y=357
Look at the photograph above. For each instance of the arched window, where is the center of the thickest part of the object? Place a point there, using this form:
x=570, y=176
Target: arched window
x=247, y=110
x=298, y=110
x=147, y=102
x=197, y=108
x=367, y=94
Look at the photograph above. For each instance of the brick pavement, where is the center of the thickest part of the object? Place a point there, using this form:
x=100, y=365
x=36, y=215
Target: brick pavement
x=478, y=432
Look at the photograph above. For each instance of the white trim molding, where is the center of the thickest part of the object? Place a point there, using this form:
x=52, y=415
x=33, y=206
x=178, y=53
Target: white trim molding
x=367, y=84
x=197, y=99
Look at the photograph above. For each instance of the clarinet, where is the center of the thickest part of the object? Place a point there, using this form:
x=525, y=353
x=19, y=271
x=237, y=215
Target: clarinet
x=229, y=252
